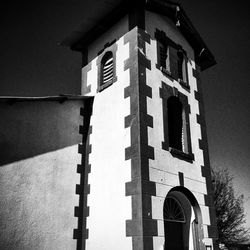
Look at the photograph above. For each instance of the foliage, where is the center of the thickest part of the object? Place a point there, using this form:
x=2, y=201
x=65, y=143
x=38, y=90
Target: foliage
x=229, y=210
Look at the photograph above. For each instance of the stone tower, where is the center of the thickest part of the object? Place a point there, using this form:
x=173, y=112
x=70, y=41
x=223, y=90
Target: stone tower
x=145, y=168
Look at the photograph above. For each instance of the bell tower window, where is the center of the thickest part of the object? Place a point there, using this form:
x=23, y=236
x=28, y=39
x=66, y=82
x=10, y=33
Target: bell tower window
x=177, y=131
x=107, y=65
x=177, y=138
x=182, y=67
x=171, y=59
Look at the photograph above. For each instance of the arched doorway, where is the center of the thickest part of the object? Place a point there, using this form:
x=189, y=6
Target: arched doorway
x=182, y=221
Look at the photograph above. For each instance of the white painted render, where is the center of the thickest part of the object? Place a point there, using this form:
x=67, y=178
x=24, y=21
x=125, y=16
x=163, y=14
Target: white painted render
x=109, y=207
x=164, y=169
x=39, y=156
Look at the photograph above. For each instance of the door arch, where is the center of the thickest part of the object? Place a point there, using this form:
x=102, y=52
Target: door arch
x=182, y=221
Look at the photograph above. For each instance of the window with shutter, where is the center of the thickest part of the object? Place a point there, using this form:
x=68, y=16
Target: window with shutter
x=107, y=68
x=171, y=59
x=162, y=54
x=182, y=67
x=163, y=57
x=177, y=125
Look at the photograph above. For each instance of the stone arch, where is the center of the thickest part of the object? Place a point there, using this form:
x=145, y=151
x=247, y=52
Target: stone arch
x=190, y=232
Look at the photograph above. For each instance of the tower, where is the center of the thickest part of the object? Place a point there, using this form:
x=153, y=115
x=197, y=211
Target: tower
x=145, y=168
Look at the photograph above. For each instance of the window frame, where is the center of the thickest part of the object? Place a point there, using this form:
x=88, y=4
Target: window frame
x=165, y=93
x=161, y=38
x=100, y=61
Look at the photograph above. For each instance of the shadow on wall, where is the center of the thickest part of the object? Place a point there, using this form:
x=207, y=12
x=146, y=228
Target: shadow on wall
x=31, y=128
x=38, y=173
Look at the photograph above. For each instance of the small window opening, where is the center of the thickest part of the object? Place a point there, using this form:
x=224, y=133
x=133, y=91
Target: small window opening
x=177, y=128
x=163, y=54
x=175, y=123
x=182, y=67
x=164, y=59
x=107, y=68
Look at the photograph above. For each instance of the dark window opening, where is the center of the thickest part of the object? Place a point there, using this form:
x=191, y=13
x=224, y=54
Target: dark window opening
x=176, y=127
x=175, y=123
x=182, y=67
x=107, y=72
x=163, y=57
x=171, y=59
x=174, y=221
x=163, y=54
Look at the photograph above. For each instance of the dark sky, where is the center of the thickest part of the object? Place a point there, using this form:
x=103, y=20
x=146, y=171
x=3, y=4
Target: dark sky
x=32, y=64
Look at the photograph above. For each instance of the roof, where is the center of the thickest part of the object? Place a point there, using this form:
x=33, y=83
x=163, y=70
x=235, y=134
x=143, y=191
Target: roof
x=59, y=98
x=99, y=17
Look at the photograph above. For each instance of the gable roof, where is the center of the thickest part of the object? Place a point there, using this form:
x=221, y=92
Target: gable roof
x=99, y=17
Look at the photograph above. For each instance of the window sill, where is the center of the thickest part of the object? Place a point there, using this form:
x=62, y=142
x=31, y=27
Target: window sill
x=104, y=86
x=181, y=155
x=165, y=71
x=184, y=84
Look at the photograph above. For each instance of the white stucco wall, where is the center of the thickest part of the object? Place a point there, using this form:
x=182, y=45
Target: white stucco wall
x=164, y=169
x=37, y=201
x=109, y=207
x=38, y=177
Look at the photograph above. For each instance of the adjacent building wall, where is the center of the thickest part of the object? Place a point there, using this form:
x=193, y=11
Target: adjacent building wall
x=39, y=155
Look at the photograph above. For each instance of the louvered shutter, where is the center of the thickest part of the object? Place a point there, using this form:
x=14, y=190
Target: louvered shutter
x=173, y=57
x=107, y=70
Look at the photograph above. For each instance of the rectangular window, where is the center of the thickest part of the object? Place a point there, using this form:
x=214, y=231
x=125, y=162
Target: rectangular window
x=182, y=67
x=163, y=57
x=176, y=128
x=171, y=59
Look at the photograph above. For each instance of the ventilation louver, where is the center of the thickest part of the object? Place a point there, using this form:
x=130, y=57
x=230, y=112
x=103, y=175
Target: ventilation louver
x=107, y=73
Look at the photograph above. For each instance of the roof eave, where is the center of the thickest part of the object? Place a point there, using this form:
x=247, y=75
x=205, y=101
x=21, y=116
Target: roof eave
x=79, y=40
x=203, y=56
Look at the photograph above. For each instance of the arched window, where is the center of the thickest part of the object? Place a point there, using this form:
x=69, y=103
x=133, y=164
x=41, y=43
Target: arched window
x=174, y=224
x=107, y=69
x=182, y=221
x=106, y=66
x=173, y=211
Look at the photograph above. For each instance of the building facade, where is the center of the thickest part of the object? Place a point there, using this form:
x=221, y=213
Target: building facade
x=126, y=164
x=39, y=140
x=147, y=174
